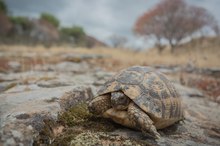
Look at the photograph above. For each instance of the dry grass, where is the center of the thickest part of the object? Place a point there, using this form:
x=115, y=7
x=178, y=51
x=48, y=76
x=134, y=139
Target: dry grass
x=200, y=58
x=205, y=56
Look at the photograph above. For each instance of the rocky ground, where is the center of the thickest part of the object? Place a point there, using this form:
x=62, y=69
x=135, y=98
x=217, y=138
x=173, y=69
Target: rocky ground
x=45, y=102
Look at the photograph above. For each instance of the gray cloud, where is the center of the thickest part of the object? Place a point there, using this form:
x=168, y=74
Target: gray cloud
x=100, y=18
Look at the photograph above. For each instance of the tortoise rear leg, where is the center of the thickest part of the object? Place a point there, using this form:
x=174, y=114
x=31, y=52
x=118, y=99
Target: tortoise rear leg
x=100, y=104
x=142, y=121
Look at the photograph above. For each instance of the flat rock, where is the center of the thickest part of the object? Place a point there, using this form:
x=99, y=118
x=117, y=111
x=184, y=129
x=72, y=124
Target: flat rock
x=22, y=88
x=71, y=67
x=14, y=66
x=39, y=96
x=7, y=85
x=81, y=57
x=22, y=115
x=27, y=81
x=187, y=91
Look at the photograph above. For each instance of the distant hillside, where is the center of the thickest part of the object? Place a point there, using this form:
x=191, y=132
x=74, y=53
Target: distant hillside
x=5, y=24
x=93, y=42
x=26, y=31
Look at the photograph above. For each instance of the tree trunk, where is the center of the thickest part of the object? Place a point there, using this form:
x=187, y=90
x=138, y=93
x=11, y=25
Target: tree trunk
x=172, y=46
x=159, y=47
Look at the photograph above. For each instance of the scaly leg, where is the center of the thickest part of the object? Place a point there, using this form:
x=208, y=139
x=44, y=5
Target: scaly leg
x=142, y=121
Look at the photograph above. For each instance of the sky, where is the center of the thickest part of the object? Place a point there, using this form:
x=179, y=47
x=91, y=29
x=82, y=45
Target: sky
x=100, y=18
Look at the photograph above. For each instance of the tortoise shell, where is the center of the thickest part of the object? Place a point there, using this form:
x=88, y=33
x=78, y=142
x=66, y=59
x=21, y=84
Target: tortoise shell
x=148, y=89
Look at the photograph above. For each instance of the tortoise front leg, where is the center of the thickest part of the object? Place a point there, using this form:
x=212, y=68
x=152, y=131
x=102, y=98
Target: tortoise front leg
x=100, y=104
x=142, y=121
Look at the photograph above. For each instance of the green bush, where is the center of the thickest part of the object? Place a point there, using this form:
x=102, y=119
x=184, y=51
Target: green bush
x=3, y=7
x=22, y=21
x=51, y=19
x=75, y=32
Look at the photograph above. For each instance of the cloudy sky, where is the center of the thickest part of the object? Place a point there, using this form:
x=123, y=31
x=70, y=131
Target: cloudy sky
x=99, y=18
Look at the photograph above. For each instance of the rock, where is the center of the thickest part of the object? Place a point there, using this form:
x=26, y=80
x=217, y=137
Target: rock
x=79, y=94
x=27, y=81
x=72, y=67
x=188, y=92
x=23, y=115
x=69, y=79
x=6, y=77
x=4, y=86
x=29, y=110
x=21, y=88
x=28, y=77
x=81, y=57
x=53, y=83
x=218, y=99
x=215, y=72
x=167, y=69
x=101, y=77
x=14, y=66
x=65, y=66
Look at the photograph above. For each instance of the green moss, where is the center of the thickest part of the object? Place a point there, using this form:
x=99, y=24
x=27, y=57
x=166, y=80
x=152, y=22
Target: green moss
x=77, y=120
x=83, y=128
x=75, y=115
x=80, y=116
x=66, y=137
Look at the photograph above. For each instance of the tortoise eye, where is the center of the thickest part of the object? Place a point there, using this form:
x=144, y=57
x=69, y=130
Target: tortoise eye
x=123, y=100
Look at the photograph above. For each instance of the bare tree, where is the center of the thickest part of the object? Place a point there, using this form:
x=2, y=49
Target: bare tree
x=173, y=21
x=117, y=41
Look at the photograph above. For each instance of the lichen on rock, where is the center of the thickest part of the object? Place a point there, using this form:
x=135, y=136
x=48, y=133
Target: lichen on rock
x=101, y=138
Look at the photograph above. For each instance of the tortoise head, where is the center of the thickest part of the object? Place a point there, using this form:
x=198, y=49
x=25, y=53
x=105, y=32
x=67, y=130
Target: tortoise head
x=100, y=104
x=119, y=100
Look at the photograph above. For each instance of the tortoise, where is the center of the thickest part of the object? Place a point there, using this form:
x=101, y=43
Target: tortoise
x=140, y=98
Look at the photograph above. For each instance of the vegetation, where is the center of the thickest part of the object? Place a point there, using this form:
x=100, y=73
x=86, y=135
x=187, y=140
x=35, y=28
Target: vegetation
x=3, y=7
x=51, y=19
x=79, y=120
x=22, y=30
x=5, y=25
x=118, y=41
x=75, y=33
x=21, y=21
x=173, y=21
